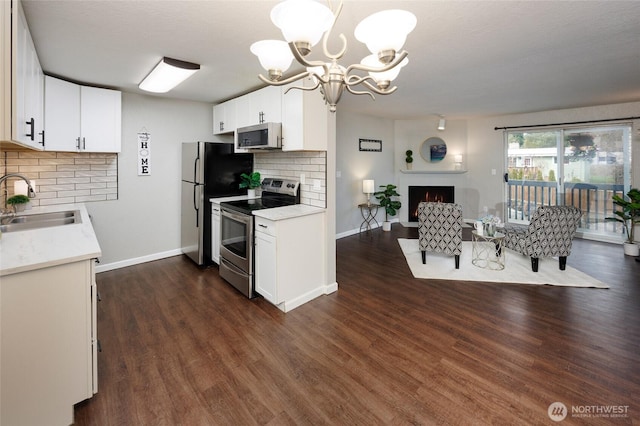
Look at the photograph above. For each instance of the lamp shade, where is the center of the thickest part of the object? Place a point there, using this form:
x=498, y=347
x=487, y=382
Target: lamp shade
x=273, y=54
x=367, y=186
x=302, y=20
x=167, y=75
x=385, y=30
x=389, y=75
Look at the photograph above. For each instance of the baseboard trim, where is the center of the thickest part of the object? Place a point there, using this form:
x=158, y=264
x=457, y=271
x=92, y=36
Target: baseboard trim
x=137, y=260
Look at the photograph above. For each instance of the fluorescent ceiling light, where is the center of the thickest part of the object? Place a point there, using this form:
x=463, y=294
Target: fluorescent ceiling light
x=441, y=123
x=167, y=75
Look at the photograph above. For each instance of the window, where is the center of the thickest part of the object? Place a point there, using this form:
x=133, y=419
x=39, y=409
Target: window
x=579, y=166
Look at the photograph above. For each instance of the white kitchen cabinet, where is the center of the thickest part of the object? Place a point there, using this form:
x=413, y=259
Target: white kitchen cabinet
x=305, y=119
x=224, y=117
x=48, y=354
x=290, y=259
x=81, y=118
x=215, y=232
x=22, y=78
x=262, y=106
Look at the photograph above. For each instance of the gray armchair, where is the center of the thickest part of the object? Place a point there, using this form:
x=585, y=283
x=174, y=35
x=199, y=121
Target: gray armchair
x=440, y=229
x=550, y=233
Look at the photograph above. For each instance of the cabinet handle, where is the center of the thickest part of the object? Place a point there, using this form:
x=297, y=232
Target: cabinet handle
x=31, y=123
x=221, y=126
x=42, y=134
x=84, y=145
x=78, y=143
x=262, y=226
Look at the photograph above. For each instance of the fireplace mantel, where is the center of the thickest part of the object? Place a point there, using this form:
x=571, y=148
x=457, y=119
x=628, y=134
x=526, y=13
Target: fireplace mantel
x=424, y=172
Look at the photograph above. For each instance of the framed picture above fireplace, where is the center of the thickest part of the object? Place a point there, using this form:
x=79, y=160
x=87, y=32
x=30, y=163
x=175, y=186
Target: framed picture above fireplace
x=433, y=149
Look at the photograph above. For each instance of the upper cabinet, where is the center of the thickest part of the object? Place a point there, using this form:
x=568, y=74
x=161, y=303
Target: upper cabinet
x=305, y=119
x=81, y=118
x=224, y=117
x=304, y=115
x=22, y=108
x=261, y=106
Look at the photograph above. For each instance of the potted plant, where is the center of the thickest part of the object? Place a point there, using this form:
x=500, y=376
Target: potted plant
x=629, y=216
x=18, y=202
x=409, y=158
x=390, y=205
x=251, y=182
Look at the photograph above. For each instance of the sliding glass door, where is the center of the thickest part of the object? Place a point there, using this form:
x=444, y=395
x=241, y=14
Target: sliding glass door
x=578, y=166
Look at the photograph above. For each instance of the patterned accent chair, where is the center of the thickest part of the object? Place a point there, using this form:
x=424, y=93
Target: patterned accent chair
x=550, y=233
x=440, y=229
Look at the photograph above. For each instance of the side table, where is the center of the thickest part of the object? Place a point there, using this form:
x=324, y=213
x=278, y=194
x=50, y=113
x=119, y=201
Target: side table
x=368, y=212
x=487, y=250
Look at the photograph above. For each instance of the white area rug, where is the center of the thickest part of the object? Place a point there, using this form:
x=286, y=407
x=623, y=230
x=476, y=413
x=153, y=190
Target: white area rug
x=517, y=268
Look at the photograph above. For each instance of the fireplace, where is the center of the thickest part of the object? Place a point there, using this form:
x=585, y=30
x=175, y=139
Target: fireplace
x=418, y=194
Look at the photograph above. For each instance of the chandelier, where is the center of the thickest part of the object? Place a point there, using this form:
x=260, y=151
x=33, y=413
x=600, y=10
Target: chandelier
x=303, y=23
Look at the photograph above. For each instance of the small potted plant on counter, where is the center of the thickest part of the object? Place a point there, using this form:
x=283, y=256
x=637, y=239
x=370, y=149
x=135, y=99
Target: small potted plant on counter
x=18, y=202
x=629, y=216
x=409, y=158
x=251, y=182
x=390, y=205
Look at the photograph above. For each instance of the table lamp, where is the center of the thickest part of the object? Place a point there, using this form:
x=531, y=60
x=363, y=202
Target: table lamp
x=368, y=188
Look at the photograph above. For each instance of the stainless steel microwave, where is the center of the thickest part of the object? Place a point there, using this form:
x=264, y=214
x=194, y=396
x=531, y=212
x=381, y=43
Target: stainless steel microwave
x=260, y=136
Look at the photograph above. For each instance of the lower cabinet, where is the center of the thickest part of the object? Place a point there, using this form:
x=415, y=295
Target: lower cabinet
x=290, y=260
x=215, y=232
x=48, y=358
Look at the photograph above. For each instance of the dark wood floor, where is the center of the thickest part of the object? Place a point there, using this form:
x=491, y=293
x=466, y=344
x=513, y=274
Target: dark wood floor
x=180, y=346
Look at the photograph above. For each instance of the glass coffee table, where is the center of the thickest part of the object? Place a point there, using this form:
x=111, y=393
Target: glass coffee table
x=487, y=252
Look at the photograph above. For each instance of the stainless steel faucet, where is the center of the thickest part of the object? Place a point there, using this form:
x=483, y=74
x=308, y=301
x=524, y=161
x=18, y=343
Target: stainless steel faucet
x=31, y=193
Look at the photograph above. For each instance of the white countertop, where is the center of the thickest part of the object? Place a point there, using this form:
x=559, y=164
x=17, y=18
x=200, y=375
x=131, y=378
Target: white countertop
x=31, y=249
x=288, y=212
x=233, y=198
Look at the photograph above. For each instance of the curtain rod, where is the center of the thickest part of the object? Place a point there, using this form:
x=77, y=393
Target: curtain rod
x=567, y=123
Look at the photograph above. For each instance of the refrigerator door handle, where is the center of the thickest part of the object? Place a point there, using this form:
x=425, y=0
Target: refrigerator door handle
x=195, y=204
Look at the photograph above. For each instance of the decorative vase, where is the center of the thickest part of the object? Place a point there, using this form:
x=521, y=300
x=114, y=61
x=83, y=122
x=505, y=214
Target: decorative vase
x=386, y=226
x=251, y=193
x=490, y=229
x=631, y=249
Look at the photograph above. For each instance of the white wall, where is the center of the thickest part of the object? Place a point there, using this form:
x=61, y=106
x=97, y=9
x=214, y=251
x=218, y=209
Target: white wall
x=353, y=165
x=144, y=223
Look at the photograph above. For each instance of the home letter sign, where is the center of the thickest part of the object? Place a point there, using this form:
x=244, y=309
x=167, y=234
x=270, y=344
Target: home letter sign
x=144, y=154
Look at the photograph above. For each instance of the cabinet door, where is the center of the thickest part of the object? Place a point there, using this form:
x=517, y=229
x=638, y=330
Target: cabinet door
x=219, y=119
x=267, y=105
x=61, y=115
x=215, y=233
x=28, y=102
x=265, y=264
x=100, y=119
x=305, y=120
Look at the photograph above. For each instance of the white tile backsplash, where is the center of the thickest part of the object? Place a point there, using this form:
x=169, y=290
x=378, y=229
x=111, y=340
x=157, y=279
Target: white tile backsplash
x=311, y=164
x=63, y=177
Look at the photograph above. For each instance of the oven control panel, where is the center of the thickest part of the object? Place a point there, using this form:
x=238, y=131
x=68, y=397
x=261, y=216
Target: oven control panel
x=281, y=186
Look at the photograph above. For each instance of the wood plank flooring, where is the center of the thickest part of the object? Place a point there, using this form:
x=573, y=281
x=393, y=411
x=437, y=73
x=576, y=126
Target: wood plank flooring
x=182, y=347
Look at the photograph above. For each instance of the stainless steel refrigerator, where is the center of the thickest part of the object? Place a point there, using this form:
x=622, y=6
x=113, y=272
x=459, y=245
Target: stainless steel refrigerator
x=209, y=170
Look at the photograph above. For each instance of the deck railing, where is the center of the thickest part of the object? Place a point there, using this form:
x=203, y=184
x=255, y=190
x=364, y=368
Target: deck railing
x=594, y=200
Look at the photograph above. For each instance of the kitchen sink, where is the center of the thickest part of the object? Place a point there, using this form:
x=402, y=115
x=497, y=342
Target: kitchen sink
x=23, y=222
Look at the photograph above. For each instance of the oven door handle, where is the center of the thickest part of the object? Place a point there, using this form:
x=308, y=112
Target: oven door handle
x=244, y=218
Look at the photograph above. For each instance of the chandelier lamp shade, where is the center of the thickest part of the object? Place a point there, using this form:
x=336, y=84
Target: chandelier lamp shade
x=305, y=22
x=167, y=75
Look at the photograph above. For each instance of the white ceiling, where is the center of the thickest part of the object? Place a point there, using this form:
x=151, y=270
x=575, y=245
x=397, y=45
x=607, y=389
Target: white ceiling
x=466, y=58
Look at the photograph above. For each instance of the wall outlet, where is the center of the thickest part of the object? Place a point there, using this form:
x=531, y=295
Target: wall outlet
x=302, y=179
x=316, y=185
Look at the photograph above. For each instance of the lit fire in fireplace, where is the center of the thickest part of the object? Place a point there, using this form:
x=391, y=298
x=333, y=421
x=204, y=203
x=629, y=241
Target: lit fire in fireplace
x=433, y=194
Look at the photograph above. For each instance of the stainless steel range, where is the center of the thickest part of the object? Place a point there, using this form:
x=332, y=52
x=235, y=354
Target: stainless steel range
x=237, y=230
